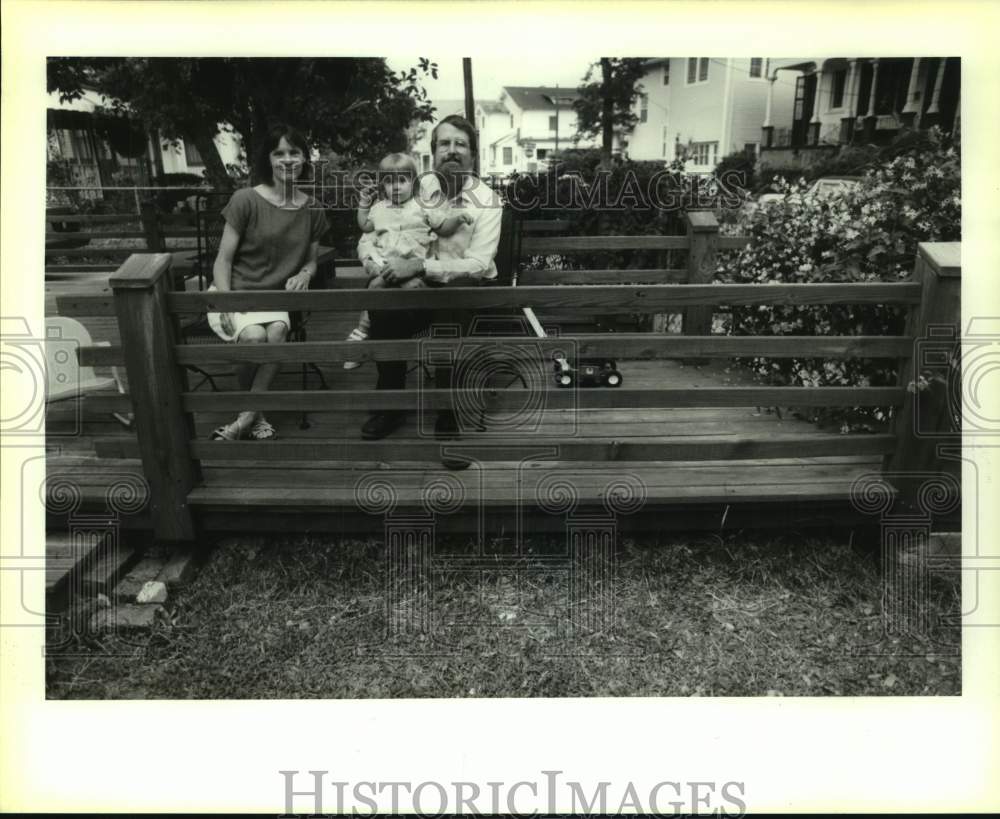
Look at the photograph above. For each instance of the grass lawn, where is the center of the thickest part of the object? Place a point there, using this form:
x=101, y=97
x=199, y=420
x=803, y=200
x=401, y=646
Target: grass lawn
x=747, y=614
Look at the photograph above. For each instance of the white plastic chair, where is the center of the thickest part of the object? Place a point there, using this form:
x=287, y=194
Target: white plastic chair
x=65, y=377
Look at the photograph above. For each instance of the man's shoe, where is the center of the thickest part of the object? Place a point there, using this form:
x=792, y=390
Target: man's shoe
x=382, y=424
x=454, y=463
x=446, y=427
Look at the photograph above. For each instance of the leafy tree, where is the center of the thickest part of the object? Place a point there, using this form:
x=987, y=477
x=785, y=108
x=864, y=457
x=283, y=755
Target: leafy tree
x=357, y=108
x=606, y=103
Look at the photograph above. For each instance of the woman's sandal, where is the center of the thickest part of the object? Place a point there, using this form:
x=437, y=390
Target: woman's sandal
x=261, y=430
x=228, y=432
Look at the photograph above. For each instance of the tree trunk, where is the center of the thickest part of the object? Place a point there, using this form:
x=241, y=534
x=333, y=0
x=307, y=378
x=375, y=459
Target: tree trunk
x=215, y=168
x=607, y=113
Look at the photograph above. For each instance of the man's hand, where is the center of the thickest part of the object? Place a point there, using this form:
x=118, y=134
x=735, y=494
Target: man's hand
x=300, y=281
x=372, y=267
x=398, y=270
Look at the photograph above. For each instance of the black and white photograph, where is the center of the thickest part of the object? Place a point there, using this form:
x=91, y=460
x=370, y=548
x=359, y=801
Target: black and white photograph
x=631, y=387
x=452, y=374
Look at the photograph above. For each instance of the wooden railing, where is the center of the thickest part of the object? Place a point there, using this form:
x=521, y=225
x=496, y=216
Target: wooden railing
x=702, y=242
x=146, y=310
x=148, y=231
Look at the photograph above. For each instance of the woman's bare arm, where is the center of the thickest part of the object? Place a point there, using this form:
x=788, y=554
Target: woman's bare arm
x=222, y=270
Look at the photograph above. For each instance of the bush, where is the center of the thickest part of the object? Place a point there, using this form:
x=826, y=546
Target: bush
x=167, y=201
x=740, y=163
x=629, y=201
x=869, y=234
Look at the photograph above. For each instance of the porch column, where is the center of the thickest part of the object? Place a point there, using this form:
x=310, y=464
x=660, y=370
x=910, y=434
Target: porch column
x=814, y=123
x=850, y=103
x=933, y=114
x=870, y=118
x=912, y=107
x=768, y=130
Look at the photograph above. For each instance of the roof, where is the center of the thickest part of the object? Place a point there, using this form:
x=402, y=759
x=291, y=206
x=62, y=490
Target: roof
x=537, y=97
x=492, y=107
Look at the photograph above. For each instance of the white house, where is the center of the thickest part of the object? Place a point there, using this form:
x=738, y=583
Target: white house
x=522, y=130
x=101, y=149
x=702, y=108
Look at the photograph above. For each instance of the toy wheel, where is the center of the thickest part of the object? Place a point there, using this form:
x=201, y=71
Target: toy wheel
x=613, y=379
x=564, y=380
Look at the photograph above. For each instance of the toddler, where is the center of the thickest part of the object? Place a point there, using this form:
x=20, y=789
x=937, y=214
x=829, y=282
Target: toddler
x=404, y=226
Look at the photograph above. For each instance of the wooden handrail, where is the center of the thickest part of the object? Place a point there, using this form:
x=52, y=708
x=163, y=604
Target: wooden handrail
x=555, y=399
x=605, y=298
x=640, y=346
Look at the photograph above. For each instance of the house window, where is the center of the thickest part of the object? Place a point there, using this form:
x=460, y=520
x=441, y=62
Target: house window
x=756, y=66
x=750, y=149
x=542, y=153
x=65, y=143
x=697, y=70
x=704, y=153
x=666, y=72
x=493, y=154
x=191, y=155
x=837, y=89
x=554, y=123
x=643, y=107
x=81, y=144
x=511, y=120
x=508, y=156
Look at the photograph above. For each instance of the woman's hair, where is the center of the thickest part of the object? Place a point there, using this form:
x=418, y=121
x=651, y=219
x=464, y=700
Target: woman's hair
x=455, y=121
x=262, y=163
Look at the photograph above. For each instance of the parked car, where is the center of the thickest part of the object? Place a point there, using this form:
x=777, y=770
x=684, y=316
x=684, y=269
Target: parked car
x=822, y=188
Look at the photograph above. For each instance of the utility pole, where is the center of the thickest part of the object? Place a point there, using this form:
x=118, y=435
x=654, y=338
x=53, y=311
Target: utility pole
x=556, y=149
x=470, y=106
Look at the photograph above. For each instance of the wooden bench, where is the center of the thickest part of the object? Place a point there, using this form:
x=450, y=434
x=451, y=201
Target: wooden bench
x=660, y=455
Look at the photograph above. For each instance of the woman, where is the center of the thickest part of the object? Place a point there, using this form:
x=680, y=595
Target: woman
x=270, y=242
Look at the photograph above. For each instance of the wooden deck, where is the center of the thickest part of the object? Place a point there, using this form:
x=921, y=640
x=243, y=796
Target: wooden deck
x=343, y=492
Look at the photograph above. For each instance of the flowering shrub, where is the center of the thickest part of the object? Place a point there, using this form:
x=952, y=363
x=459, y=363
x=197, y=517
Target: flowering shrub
x=868, y=234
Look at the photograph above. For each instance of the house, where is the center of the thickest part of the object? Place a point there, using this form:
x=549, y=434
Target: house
x=517, y=133
x=699, y=109
x=539, y=121
x=90, y=146
x=840, y=101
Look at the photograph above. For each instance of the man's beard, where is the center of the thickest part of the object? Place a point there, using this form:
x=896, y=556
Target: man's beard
x=453, y=175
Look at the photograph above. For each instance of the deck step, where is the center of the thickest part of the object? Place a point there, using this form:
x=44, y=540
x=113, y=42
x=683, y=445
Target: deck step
x=62, y=558
x=104, y=574
x=530, y=486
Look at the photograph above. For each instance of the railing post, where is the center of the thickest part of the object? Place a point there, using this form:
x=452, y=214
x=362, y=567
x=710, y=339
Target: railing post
x=924, y=420
x=155, y=242
x=703, y=239
x=155, y=384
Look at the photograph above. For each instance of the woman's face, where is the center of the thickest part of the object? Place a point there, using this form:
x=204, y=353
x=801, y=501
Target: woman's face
x=398, y=187
x=286, y=161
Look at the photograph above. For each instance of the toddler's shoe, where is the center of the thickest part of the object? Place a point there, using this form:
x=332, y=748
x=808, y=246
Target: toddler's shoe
x=357, y=334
